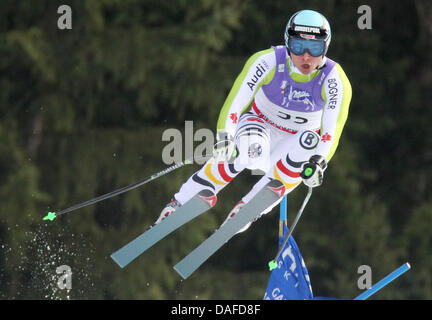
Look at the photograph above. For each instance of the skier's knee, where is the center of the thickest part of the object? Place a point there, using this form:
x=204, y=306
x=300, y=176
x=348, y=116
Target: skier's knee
x=253, y=144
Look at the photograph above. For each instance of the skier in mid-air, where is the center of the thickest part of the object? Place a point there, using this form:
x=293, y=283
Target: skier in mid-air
x=285, y=112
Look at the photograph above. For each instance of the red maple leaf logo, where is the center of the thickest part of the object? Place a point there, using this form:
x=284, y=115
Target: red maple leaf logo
x=233, y=117
x=326, y=137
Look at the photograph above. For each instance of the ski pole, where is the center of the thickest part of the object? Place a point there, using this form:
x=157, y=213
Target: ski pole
x=282, y=215
x=383, y=282
x=273, y=264
x=52, y=215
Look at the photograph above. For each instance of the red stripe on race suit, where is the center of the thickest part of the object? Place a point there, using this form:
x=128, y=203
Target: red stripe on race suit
x=262, y=116
x=259, y=113
x=222, y=172
x=285, y=170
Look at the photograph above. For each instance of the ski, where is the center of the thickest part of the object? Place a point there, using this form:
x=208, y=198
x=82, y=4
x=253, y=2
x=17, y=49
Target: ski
x=200, y=203
x=272, y=192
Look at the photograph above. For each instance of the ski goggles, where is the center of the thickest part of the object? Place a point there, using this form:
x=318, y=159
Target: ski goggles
x=300, y=46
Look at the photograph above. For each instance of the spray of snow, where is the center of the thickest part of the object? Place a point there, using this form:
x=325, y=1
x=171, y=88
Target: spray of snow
x=35, y=261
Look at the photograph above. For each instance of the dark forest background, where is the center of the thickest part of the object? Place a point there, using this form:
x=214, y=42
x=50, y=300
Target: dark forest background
x=82, y=113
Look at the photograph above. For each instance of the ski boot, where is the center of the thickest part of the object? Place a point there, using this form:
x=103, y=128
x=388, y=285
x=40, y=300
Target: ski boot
x=168, y=210
x=233, y=212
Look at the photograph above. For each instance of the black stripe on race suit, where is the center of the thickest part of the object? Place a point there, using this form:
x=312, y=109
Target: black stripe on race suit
x=252, y=130
x=250, y=125
x=232, y=169
x=199, y=180
x=294, y=164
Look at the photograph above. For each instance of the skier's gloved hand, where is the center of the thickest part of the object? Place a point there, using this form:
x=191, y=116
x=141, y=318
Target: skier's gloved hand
x=313, y=171
x=225, y=148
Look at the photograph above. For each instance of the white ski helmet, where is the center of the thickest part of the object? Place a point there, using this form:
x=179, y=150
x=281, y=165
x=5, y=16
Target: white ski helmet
x=313, y=31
